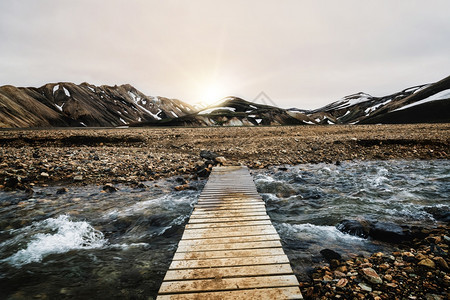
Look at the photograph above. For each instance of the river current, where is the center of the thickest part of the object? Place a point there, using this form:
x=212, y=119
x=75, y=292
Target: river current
x=87, y=243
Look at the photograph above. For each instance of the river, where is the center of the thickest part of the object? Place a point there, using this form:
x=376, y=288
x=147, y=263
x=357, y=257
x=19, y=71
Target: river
x=88, y=243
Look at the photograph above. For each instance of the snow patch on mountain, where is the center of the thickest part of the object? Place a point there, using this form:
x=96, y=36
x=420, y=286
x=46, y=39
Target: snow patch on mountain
x=443, y=95
x=210, y=110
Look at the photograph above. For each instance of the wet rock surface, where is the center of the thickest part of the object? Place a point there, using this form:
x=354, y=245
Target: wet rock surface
x=418, y=270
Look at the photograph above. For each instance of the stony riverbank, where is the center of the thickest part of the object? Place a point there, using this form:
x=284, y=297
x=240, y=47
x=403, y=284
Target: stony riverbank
x=82, y=156
x=420, y=270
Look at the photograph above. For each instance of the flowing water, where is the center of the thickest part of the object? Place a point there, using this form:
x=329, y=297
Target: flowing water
x=306, y=202
x=90, y=244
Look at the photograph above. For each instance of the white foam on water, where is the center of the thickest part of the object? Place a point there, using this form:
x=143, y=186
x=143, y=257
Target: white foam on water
x=165, y=202
x=66, y=235
x=310, y=232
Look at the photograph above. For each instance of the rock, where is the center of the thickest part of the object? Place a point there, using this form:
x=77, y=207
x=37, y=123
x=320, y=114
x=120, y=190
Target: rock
x=427, y=263
x=62, y=190
x=329, y=254
x=338, y=274
x=44, y=174
x=182, y=187
x=354, y=227
x=327, y=278
x=110, y=188
x=221, y=160
x=387, y=232
x=341, y=283
x=208, y=155
x=391, y=284
x=365, y=287
x=438, y=213
x=12, y=182
x=181, y=180
x=372, y=276
x=441, y=263
x=78, y=178
x=203, y=173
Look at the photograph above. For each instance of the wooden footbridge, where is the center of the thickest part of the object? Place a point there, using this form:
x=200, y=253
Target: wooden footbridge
x=229, y=248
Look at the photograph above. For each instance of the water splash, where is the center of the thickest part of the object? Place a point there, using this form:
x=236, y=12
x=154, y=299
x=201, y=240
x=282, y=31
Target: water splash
x=64, y=235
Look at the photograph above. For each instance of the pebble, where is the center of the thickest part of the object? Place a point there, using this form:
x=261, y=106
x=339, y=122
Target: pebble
x=389, y=277
x=427, y=263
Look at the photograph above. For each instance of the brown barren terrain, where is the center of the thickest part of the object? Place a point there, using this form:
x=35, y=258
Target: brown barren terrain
x=133, y=155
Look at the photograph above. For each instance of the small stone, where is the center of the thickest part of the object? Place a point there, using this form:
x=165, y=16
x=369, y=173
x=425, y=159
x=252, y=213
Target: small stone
x=338, y=274
x=441, y=262
x=62, y=190
x=327, y=278
x=110, y=188
x=342, y=282
x=221, y=160
x=365, y=287
x=391, y=284
x=427, y=263
x=78, y=178
x=371, y=275
x=44, y=174
x=182, y=187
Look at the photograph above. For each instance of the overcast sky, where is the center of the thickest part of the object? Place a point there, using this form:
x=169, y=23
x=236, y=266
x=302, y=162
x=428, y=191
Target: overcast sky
x=302, y=54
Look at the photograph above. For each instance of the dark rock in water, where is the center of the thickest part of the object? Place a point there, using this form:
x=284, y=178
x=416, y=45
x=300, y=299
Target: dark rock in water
x=62, y=190
x=354, y=227
x=438, y=213
x=11, y=182
x=387, y=232
x=181, y=180
x=380, y=231
x=330, y=255
x=203, y=172
x=110, y=188
x=208, y=155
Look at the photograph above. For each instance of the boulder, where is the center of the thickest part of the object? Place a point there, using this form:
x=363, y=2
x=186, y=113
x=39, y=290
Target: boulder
x=354, y=227
x=329, y=254
x=208, y=155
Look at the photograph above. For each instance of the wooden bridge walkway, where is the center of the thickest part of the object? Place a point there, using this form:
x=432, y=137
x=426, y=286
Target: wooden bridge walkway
x=230, y=249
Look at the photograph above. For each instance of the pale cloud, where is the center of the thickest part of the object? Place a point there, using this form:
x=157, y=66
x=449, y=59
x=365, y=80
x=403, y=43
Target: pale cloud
x=301, y=53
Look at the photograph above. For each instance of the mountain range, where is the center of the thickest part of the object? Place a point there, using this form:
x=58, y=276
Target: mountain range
x=69, y=105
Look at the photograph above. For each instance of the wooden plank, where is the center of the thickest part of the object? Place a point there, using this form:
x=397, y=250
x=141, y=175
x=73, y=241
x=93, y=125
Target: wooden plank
x=227, y=284
x=230, y=240
x=228, y=215
x=228, y=202
x=211, y=273
x=292, y=293
x=228, y=224
x=223, y=220
x=253, y=229
x=229, y=211
x=225, y=232
x=228, y=253
x=228, y=246
x=225, y=262
x=219, y=207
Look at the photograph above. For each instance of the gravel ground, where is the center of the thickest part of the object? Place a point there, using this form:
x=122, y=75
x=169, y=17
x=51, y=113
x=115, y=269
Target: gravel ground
x=82, y=156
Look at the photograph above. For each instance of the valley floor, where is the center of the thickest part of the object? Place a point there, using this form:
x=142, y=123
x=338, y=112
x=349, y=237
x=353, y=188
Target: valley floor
x=80, y=156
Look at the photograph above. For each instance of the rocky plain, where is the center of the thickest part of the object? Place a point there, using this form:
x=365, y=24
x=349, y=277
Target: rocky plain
x=134, y=156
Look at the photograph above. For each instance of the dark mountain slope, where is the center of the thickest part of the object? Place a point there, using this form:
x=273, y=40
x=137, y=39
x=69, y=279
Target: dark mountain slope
x=68, y=104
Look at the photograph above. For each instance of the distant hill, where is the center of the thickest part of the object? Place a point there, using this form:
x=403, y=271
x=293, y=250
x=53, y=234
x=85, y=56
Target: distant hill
x=428, y=103
x=234, y=111
x=85, y=105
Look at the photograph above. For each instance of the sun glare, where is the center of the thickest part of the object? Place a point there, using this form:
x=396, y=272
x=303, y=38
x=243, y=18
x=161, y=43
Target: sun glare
x=213, y=93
